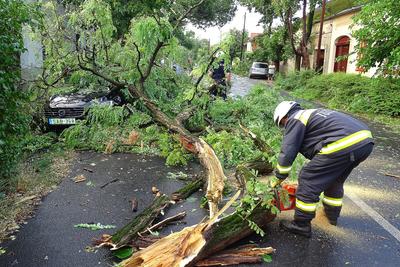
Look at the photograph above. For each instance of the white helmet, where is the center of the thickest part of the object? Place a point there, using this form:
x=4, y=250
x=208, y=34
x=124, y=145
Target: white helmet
x=282, y=110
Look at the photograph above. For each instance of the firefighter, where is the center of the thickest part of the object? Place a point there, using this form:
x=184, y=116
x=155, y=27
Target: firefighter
x=335, y=143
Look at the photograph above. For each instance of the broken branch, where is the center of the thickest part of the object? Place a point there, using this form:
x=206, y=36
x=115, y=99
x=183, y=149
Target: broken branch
x=166, y=221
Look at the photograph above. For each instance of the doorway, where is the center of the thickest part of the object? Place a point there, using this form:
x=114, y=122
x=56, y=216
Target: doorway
x=342, y=51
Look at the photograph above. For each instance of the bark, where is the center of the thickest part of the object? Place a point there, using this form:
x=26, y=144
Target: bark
x=260, y=144
x=139, y=224
x=305, y=56
x=297, y=62
x=142, y=221
x=206, y=155
x=277, y=66
x=192, y=244
x=188, y=190
x=243, y=254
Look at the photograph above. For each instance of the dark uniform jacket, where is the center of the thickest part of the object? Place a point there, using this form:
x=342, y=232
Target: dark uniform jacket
x=319, y=131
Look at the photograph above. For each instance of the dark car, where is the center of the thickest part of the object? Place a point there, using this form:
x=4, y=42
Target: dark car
x=67, y=109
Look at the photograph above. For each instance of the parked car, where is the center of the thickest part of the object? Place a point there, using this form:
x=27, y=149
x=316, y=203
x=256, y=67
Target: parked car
x=258, y=69
x=67, y=109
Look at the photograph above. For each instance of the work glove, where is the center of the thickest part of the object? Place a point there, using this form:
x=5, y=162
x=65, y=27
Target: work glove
x=275, y=182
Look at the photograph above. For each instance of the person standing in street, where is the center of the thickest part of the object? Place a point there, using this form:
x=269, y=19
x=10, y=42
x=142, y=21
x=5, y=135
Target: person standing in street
x=221, y=80
x=335, y=143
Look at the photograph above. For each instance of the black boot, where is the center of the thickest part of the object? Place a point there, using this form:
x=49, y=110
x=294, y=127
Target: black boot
x=332, y=214
x=297, y=227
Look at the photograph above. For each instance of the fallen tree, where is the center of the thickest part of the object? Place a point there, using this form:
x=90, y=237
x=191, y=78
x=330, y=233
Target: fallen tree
x=131, y=231
x=192, y=244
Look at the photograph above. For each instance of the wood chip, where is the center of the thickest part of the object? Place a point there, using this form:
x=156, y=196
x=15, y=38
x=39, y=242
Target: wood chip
x=79, y=178
x=134, y=203
x=155, y=190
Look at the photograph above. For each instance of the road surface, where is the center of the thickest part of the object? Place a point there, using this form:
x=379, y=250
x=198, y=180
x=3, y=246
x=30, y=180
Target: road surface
x=367, y=233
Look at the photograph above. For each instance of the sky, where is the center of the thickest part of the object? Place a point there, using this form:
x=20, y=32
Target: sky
x=215, y=33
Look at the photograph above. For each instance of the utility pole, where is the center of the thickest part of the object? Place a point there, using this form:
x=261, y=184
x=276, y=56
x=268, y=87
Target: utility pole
x=244, y=28
x=321, y=26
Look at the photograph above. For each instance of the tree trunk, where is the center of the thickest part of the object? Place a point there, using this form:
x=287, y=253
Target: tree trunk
x=192, y=244
x=208, y=159
x=276, y=63
x=305, y=56
x=297, y=63
x=142, y=221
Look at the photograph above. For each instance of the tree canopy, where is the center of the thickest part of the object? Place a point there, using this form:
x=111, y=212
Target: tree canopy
x=209, y=13
x=285, y=11
x=376, y=28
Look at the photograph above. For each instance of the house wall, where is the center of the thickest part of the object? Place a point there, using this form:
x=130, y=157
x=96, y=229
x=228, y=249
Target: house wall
x=333, y=29
x=32, y=57
x=31, y=60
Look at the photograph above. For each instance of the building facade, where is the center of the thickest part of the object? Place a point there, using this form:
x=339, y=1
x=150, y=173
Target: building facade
x=337, y=45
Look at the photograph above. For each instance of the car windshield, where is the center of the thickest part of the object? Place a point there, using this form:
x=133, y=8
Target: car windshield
x=260, y=65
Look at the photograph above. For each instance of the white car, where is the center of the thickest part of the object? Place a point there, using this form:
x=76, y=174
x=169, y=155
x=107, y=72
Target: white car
x=258, y=69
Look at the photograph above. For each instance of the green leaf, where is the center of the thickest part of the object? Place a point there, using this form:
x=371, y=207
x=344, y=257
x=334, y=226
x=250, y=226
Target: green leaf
x=94, y=226
x=123, y=253
x=266, y=258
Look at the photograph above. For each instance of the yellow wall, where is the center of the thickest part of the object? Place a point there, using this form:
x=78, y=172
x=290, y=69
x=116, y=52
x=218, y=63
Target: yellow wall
x=332, y=30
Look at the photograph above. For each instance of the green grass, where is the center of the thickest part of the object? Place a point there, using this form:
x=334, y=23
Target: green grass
x=377, y=99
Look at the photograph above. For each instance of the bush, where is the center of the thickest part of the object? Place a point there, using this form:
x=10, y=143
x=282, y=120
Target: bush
x=350, y=92
x=255, y=111
x=14, y=120
x=294, y=80
x=241, y=68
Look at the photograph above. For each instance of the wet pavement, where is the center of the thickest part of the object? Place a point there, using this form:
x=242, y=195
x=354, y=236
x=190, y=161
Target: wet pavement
x=49, y=239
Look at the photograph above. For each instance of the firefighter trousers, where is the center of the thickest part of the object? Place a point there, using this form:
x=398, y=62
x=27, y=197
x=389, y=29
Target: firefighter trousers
x=326, y=174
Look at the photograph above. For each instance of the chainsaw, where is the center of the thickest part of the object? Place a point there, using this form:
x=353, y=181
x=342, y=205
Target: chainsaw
x=291, y=190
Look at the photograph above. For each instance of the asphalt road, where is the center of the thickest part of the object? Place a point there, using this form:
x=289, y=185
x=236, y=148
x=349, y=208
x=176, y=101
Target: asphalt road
x=50, y=239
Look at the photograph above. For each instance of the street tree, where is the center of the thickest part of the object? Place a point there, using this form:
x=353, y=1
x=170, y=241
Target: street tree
x=232, y=43
x=209, y=13
x=274, y=46
x=285, y=10
x=376, y=28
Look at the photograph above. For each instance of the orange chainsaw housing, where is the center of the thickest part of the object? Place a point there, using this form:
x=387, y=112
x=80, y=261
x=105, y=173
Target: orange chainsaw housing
x=291, y=189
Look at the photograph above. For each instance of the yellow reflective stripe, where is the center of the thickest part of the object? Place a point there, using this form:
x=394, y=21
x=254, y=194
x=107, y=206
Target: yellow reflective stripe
x=298, y=114
x=337, y=202
x=283, y=169
x=304, y=115
x=346, y=142
x=310, y=207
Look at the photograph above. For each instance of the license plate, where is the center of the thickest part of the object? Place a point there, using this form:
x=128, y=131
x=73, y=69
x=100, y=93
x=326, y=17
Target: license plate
x=62, y=121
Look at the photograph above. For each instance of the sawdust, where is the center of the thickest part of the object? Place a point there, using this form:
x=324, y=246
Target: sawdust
x=321, y=222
